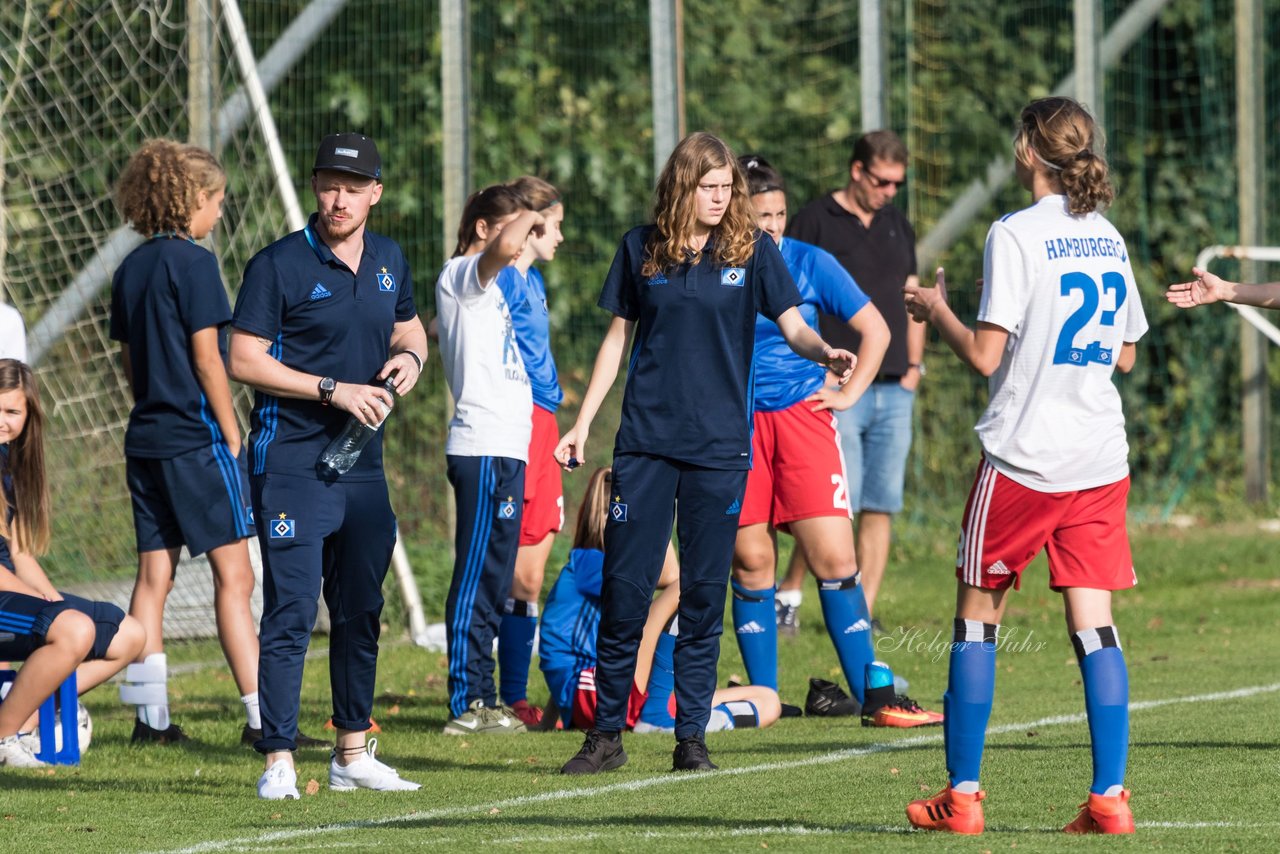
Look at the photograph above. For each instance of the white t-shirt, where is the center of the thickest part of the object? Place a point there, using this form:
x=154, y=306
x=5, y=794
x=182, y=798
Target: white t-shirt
x=493, y=403
x=13, y=335
x=1063, y=288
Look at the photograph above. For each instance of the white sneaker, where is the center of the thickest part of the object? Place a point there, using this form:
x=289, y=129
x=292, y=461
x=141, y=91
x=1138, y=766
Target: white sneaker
x=279, y=782
x=367, y=773
x=15, y=754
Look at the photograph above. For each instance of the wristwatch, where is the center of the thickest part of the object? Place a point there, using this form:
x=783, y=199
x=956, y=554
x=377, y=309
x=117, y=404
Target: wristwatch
x=919, y=366
x=327, y=386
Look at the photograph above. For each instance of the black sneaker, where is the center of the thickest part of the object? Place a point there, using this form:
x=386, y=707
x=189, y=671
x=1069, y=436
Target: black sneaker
x=691, y=755
x=790, y=711
x=143, y=734
x=600, y=752
x=828, y=700
x=251, y=736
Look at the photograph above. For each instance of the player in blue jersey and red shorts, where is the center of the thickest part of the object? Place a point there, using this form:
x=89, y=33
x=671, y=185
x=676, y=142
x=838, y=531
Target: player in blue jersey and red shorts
x=324, y=320
x=797, y=482
x=686, y=291
x=543, y=514
x=184, y=464
x=52, y=633
x=567, y=640
x=1059, y=315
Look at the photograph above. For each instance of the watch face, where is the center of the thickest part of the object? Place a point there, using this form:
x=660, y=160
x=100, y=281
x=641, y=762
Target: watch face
x=328, y=384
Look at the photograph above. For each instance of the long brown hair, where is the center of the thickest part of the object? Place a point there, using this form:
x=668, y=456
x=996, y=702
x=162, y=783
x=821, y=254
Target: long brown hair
x=29, y=531
x=1059, y=134
x=490, y=204
x=675, y=207
x=159, y=188
x=594, y=512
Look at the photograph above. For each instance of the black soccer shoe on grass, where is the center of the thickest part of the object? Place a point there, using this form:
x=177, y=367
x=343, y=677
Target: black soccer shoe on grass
x=251, y=736
x=600, y=752
x=143, y=734
x=828, y=700
x=691, y=755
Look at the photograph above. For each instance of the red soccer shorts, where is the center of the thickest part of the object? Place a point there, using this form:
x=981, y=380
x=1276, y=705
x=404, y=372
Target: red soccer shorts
x=543, y=491
x=584, y=702
x=797, y=468
x=1006, y=525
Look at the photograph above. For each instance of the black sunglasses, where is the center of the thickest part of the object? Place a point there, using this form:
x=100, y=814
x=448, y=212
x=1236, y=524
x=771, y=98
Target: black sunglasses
x=878, y=182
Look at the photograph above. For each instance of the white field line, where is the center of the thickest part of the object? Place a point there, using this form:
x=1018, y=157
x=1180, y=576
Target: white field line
x=418, y=816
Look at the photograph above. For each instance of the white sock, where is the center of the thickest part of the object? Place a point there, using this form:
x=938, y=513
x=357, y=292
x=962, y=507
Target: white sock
x=252, y=716
x=966, y=787
x=790, y=597
x=157, y=716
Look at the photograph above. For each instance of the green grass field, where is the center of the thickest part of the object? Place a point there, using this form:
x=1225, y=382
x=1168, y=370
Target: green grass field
x=1204, y=766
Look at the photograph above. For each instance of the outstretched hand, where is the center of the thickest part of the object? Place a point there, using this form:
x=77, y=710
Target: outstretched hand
x=922, y=302
x=1206, y=289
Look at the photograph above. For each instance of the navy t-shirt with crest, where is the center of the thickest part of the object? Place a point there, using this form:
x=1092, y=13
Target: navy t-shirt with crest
x=10, y=502
x=689, y=382
x=164, y=292
x=324, y=319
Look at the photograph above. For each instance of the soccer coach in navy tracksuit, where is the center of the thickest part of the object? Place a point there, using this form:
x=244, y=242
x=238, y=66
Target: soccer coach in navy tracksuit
x=324, y=316
x=687, y=289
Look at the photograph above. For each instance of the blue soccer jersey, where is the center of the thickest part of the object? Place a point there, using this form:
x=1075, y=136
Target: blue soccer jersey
x=164, y=292
x=526, y=298
x=571, y=615
x=784, y=378
x=688, y=395
x=6, y=482
x=324, y=319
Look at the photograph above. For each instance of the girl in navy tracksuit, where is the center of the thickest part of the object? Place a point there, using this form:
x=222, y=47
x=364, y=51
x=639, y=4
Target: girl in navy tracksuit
x=686, y=290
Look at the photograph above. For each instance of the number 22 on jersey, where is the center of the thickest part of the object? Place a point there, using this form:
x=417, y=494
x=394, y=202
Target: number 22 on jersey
x=1066, y=352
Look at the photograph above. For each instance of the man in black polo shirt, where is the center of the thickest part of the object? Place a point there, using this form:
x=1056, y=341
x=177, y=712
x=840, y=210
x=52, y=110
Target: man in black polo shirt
x=873, y=241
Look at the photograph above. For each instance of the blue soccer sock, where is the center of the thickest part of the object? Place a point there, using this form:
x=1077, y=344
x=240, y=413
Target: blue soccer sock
x=844, y=608
x=515, y=648
x=1106, y=701
x=971, y=686
x=755, y=624
x=662, y=680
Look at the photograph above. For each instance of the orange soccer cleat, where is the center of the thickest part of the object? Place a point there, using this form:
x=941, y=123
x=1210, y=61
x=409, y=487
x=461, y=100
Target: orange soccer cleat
x=948, y=810
x=1102, y=814
x=901, y=712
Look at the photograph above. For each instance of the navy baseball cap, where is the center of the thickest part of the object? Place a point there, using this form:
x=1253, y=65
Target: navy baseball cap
x=349, y=152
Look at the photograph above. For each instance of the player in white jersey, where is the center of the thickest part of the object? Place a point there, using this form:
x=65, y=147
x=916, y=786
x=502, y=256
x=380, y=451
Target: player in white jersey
x=1059, y=314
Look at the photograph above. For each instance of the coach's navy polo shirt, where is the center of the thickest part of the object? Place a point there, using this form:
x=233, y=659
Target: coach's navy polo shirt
x=166, y=290
x=688, y=394
x=325, y=320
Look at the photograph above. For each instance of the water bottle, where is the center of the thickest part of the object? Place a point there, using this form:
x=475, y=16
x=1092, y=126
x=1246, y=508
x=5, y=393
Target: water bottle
x=341, y=454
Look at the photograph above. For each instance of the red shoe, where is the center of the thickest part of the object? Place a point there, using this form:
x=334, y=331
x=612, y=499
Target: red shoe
x=902, y=712
x=531, y=715
x=954, y=812
x=1101, y=814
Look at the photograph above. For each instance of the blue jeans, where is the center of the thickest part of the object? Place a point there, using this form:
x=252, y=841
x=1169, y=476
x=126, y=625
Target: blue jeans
x=875, y=435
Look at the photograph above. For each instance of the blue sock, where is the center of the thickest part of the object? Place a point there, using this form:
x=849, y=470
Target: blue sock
x=844, y=608
x=662, y=680
x=515, y=647
x=756, y=625
x=971, y=686
x=1106, y=701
